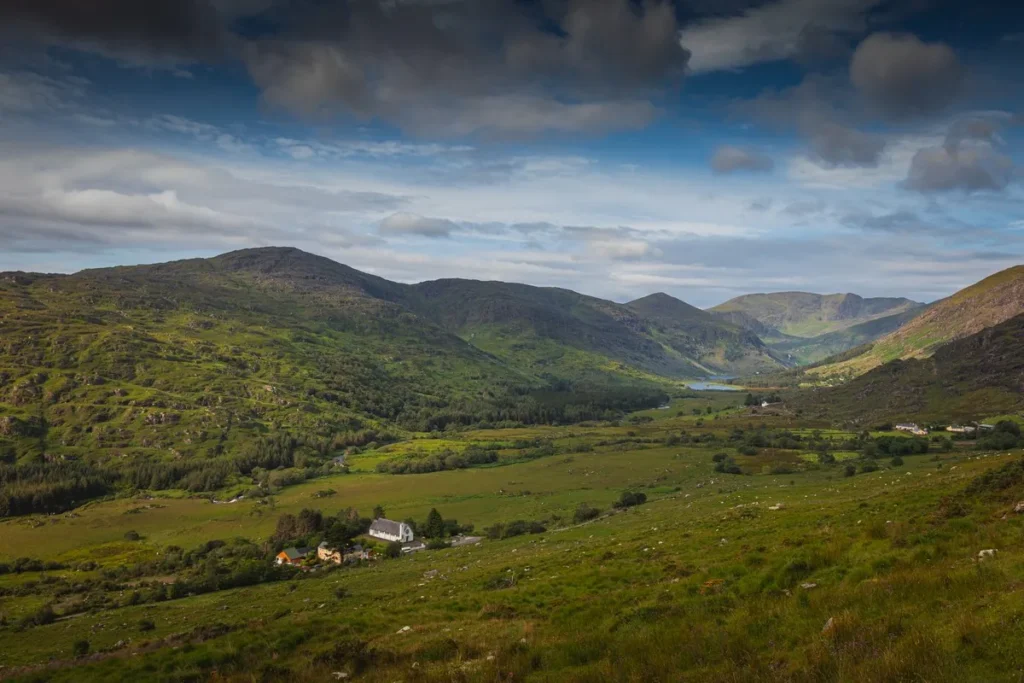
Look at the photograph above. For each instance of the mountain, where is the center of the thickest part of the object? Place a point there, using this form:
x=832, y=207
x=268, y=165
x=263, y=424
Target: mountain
x=719, y=346
x=559, y=333
x=984, y=304
x=257, y=344
x=807, y=351
x=804, y=328
x=801, y=314
x=227, y=351
x=968, y=379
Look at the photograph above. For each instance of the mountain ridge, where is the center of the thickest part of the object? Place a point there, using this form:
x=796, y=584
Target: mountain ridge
x=984, y=304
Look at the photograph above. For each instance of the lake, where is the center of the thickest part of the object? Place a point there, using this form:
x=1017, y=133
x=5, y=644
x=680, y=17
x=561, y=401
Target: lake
x=712, y=386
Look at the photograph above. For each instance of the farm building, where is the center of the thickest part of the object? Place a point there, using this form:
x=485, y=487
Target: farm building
x=912, y=428
x=386, y=530
x=292, y=555
x=327, y=554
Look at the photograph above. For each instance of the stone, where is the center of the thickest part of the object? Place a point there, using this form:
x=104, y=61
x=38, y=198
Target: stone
x=829, y=627
x=989, y=552
x=1019, y=508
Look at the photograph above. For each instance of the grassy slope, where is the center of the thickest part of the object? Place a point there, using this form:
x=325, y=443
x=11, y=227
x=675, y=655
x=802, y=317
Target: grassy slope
x=801, y=314
x=703, y=582
x=721, y=347
x=805, y=351
x=560, y=333
x=986, y=303
x=196, y=357
x=975, y=376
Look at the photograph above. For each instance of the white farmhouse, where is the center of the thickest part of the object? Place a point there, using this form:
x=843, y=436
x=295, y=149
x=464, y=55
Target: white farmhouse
x=386, y=530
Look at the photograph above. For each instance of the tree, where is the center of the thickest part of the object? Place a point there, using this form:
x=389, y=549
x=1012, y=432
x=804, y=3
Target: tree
x=434, y=526
x=393, y=550
x=378, y=512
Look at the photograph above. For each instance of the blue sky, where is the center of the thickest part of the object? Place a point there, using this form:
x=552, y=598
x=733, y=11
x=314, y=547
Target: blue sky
x=615, y=147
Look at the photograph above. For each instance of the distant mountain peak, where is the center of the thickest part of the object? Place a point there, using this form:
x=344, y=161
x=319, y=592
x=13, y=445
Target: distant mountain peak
x=664, y=304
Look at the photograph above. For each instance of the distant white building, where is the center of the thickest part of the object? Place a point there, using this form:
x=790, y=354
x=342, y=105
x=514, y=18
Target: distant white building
x=912, y=428
x=386, y=530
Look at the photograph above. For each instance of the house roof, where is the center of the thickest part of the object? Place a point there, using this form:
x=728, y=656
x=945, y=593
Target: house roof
x=386, y=526
x=295, y=553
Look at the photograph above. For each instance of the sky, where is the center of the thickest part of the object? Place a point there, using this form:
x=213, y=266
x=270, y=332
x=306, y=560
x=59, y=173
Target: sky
x=703, y=148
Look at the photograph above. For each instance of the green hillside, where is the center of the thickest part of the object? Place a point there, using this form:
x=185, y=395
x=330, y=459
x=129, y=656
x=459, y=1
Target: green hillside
x=967, y=379
x=805, y=351
x=801, y=314
x=207, y=373
x=718, y=346
x=558, y=333
x=984, y=304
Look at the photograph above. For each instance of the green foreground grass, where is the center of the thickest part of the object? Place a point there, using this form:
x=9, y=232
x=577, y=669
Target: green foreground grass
x=850, y=578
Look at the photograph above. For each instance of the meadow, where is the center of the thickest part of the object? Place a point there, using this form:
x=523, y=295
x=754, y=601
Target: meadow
x=790, y=571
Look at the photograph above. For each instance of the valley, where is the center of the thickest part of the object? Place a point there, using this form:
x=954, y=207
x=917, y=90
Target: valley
x=167, y=431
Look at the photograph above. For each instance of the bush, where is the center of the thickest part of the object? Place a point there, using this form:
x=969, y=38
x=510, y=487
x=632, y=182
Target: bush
x=146, y=625
x=728, y=466
x=868, y=466
x=80, y=648
x=896, y=461
x=132, y=536
x=585, y=513
x=826, y=458
x=719, y=457
x=438, y=544
x=849, y=471
x=630, y=499
x=393, y=550
x=747, y=450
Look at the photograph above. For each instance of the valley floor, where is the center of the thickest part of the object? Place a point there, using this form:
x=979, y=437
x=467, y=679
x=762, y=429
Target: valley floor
x=801, y=575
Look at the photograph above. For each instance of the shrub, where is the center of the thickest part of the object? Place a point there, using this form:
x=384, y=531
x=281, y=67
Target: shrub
x=896, y=461
x=80, y=648
x=849, y=471
x=132, y=536
x=146, y=625
x=728, y=466
x=719, y=457
x=868, y=466
x=585, y=513
x=826, y=458
x=438, y=544
x=747, y=450
x=630, y=499
x=393, y=550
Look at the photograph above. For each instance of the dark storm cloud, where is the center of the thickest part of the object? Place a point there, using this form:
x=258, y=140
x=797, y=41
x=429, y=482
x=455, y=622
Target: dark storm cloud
x=902, y=77
x=465, y=67
x=131, y=30
x=455, y=67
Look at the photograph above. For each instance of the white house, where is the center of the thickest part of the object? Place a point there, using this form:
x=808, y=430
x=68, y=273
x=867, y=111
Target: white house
x=386, y=530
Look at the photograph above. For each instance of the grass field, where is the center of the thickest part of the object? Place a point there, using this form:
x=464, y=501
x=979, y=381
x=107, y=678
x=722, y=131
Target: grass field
x=804, y=576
